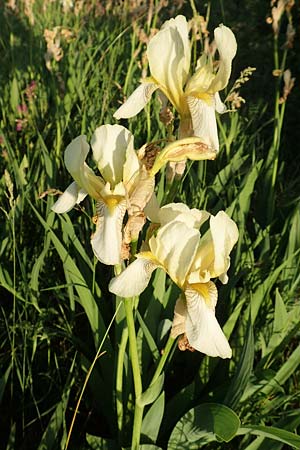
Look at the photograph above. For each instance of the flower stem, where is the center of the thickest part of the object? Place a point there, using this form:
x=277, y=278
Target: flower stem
x=119, y=380
x=163, y=359
x=137, y=380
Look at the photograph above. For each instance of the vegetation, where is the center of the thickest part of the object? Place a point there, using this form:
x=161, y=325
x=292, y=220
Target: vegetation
x=66, y=378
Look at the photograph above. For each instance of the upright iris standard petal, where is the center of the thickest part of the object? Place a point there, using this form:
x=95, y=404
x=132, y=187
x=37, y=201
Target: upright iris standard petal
x=174, y=247
x=202, y=328
x=212, y=259
x=109, y=144
x=193, y=218
x=107, y=239
x=180, y=24
x=72, y=196
x=227, y=46
x=75, y=155
x=134, y=279
x=136, y=101
x=224, y=234
x=132, y=169
x=169, y=59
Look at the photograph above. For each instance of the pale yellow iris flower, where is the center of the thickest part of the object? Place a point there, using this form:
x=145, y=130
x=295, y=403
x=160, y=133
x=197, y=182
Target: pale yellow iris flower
x=124, y=184
x=191, y=260
x=196, y=98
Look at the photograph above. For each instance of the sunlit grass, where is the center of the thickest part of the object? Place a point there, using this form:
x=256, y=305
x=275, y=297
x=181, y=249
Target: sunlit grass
x=55, y=305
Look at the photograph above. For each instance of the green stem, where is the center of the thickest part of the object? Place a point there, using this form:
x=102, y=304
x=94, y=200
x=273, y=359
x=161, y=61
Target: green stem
x=273, y=156
x=137, y=380
x=194, y=9
x=119, y=379
x=163, y=359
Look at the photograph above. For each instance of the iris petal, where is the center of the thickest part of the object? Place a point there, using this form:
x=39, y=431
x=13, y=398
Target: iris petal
x=204, y=121
x=107, y=240
x=72, y=196
x=134, y=279
x=109, y=144
x=136, y=101
x=202, y=328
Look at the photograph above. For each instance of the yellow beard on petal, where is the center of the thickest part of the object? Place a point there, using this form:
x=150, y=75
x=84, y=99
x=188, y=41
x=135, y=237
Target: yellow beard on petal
x=112, y=202
x=205, y=96
x=204, y=290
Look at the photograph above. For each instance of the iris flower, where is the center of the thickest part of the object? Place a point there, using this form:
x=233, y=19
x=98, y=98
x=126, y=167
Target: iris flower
x=191, y=261
x=123, y=184
x=195, y=98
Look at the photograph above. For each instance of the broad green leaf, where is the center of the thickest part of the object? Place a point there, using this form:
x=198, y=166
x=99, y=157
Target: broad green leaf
x=263, y=289
x=233, y=318
x=149, y=339
x=280, y=316
x=240, y=205
x=153, y=391
x=280, y=325
x=285, y=371
x=177, y=406
x=14, y=95
x=243, y=370
x=273, y=433
x=290, y=422
x=149, y=447
x=204, y=423
x=224, y=175
x=152, y=420
x=99, y=443
x=68, y=229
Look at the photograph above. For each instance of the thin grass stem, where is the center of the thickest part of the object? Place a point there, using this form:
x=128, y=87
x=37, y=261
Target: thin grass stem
x=98, y=355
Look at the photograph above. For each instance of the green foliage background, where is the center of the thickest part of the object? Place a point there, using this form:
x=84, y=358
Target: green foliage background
x=55, y=306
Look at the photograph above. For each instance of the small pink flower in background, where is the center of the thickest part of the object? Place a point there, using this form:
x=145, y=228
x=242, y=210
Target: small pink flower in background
x=20, y=124
x=22, y=109
x=30, y=90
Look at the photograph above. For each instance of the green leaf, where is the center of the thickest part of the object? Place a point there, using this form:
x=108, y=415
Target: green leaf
x=153, y=391
x=85, y=296
x=3, y=380
x=285, y=371
x=99, y=443
x=14, y=95
x=273, y=433
x=148, y=336
x=50, y=436
x=243, y=371
x=204, y=423
x=226, y=174
x=264, y=288
x=152, y=420
x=12, y=438
x=280, y=317
x=281, y=324
x=149, y=447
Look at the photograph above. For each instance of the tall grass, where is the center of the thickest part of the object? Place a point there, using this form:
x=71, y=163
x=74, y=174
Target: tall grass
x=56, y=311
